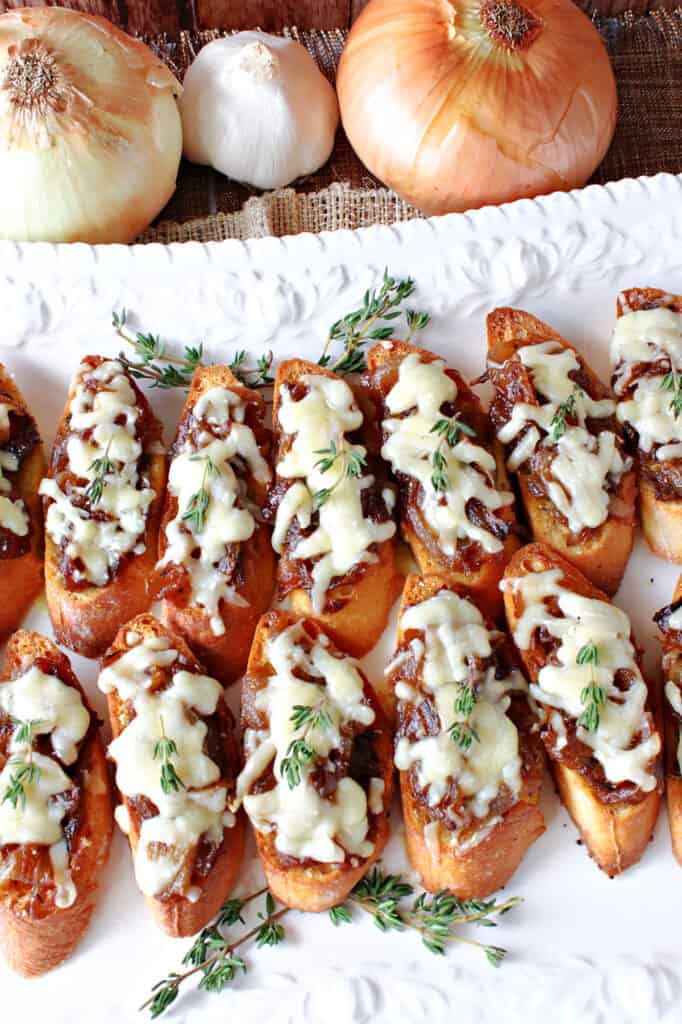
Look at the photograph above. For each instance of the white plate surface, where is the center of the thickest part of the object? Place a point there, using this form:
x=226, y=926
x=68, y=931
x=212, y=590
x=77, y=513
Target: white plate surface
x=583, y=947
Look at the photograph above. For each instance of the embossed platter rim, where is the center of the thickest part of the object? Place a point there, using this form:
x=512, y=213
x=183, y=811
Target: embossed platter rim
x=584, y=947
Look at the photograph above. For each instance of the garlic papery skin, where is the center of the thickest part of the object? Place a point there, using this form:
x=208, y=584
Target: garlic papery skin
x=90, y=132
x=257, y=108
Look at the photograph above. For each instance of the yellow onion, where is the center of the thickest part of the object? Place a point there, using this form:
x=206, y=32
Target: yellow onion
x=90, y=133
x=455, y=104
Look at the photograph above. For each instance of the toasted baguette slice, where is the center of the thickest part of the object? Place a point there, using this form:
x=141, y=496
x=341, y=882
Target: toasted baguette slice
x=660, y=486
x=86, y=617
x=221, y=638
x=481, y=537
x=355, y=606
x=21, y=558
x=600, y=552
x=669, y=621
x=616, y=817
x=36, y=934
x=202, y=873
x=305, y=882
x=453, y=845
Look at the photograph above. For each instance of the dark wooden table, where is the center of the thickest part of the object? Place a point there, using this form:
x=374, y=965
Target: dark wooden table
x=170, y=15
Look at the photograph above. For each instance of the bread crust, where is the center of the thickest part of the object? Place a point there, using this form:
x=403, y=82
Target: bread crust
x=35, y=935
x=661, y=520
x=616, y=834
x=672, y=669
x=604, y=556
x=483, y=581
x=367, y=599
x=21, y=578
x=177, y=915
x=225, y=656
x=87, y=620
x=310, y=885
x=481, y=869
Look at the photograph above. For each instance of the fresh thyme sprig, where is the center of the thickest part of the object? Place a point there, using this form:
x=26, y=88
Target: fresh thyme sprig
x=155, y=364
x=593, y=697
x=566, y=408
x=27, y=771
x=465, y=699
x=212, y=956
x=165, y=749
x=435, y=918
x=448, y=430
x=416, y=321
x=351, y=465
x=673, y=382
x=355, y=329
x=299, y=752
x=463, y=734
x=197, y=506
x=256, y=377
x=102, y=467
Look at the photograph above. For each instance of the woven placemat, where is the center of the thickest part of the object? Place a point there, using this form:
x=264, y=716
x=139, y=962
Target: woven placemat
x=646, y=52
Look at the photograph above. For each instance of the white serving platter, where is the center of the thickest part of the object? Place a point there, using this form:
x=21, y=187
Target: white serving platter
x=582, y=947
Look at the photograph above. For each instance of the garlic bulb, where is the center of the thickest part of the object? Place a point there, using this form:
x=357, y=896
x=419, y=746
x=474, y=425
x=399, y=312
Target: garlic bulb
x=257, y=108
x=90, y=133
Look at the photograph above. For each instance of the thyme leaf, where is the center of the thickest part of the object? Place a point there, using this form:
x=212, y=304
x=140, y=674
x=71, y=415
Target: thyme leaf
x=165, y=749
x=565, y=409
x=592, y=696
x=102, y=467
x=197, y=506
x=351, y=464
x=354, y=330
x=153, y=362
x=300, y=753
x=673, y=382
x=448, y=430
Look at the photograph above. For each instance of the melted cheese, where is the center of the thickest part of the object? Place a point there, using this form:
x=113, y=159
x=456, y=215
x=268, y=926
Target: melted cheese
x=420, y=391
x=198, y=809
x=588, y=621
x=228, y=520
x=645, y=337
x=674, y=698
x=110, y=414
x=13, y=515
x=57, y=710
x=582, y=464
x=307, y=825
x=344, y=535
x=454, y=633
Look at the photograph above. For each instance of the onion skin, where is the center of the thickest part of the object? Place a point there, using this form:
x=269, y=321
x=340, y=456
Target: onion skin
x=452, y=119
x=96, y=157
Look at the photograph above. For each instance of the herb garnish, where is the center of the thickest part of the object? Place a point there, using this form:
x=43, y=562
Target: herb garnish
x=593, y=697
x=101, y=467
x=351, y=465
x=165, y=371
x=673, y=382
x=357, y=328
x=566, y=408
x=433, y=917
x=164, y=750
x=299, y=753
x=197, y=506
x=463, y=734
x=27, y=771
x=259, y=376
x=448, y=430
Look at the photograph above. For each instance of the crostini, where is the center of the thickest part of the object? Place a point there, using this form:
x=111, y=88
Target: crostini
x=456, y=506
x=669, y=621
x=471, y=761
x=646, y=354
x=332, y=509
x=22, y=466
x=177, y=760
x=318, y=770
x=102, y=501
x=55, y=806
x=217, y=567
x=557, y=421
x=595, y=711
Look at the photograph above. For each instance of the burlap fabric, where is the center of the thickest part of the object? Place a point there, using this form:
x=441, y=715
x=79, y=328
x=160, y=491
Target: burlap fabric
x=646, y=52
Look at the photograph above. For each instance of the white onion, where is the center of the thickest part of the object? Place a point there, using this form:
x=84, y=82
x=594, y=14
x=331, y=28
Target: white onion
x=90, y=133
